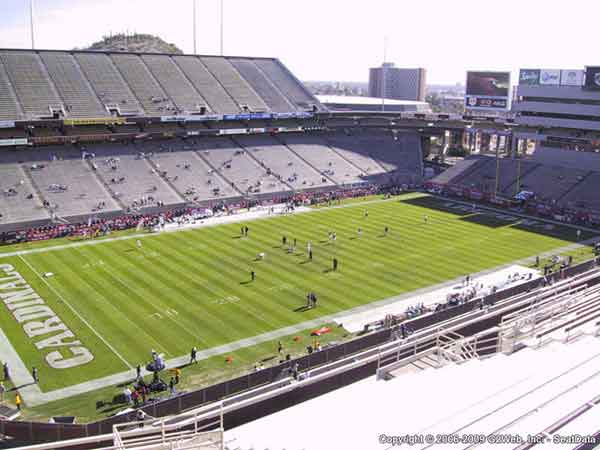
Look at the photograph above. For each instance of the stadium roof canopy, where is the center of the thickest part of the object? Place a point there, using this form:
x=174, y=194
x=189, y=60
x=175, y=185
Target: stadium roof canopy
x=350, y=103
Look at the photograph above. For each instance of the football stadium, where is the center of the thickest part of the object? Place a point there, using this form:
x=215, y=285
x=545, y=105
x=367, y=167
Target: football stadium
x=197, y=253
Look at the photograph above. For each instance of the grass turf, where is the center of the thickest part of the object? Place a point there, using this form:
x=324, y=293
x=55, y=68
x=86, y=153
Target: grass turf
x=193, y=288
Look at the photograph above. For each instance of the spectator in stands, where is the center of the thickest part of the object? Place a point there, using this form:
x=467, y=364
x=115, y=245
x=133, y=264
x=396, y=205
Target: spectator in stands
x=127, y=394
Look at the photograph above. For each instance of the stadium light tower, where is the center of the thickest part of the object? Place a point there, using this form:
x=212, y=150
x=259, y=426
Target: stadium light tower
x=194, y=14
x=383, y=67
x=31, y=24
x=222, y=20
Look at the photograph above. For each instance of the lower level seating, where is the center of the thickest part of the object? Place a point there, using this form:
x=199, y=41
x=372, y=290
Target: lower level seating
x=234, y=163
x=190, y=174
x=132, y=179
x=92, y=179
x=19, y=201
x=65, y=181
x=356, y=152
x=317, y=152
x=586, y=193
x=283, y=163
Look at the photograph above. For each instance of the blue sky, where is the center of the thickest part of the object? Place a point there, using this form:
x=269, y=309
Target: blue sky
x=335, y=39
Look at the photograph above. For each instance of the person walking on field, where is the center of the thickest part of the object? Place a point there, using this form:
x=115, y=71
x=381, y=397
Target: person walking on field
x=193, y=355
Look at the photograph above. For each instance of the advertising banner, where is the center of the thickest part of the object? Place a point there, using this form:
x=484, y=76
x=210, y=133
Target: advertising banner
x=529, y=77
x=249, y=116
x=11, y=142
x=96, y=121
x=487, y=90
x=550, y=77
x=592, y=78
x=234, y=131
x=571, y=77
x=192, y=118
x=6, y=124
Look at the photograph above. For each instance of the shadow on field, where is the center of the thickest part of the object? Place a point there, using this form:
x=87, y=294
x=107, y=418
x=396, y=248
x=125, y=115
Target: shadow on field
x=497, y=219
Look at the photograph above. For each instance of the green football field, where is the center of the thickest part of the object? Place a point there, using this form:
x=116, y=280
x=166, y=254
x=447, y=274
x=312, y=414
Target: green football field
x=193, y=288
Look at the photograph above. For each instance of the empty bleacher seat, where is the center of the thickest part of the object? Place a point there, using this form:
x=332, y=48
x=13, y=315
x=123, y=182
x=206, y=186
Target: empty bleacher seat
x=176, y=85
x=108, y=83
x=9, y=106
x=270, y=94
x=33, y=86
x=233, y=83
x=238, y=167
x=150, y=94
x=287, y=83
x=316, y=152
x=282, y=162
x=75, y=90
x=217, y=97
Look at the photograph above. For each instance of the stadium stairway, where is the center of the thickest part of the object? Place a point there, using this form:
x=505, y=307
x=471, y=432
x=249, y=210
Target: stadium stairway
x=165, y=179
x=10, y=105
x=344, y=157
x=358, y=157
x=237, y=166
x=106, y=187
x=519, y=393
x=218, y=172
x=457, y=171
x=32, y=84
x=18, y=208
x=260, y=163
x=284, y=144
x=323, y=158
x=33, y=184
x=575, y=186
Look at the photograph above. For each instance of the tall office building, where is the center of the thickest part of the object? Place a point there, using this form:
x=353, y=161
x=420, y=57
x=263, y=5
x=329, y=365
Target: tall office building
x=399, y=84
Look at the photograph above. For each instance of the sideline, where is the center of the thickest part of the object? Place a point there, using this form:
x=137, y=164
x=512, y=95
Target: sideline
x=34, y=397
x=210, y=222
x=510, y=212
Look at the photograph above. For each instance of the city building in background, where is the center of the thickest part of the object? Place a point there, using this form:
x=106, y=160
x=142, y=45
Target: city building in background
x=397, y=83
x=340, y=103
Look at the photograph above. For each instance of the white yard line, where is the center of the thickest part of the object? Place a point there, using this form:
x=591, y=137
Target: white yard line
x=33, y=396
x=74, y=311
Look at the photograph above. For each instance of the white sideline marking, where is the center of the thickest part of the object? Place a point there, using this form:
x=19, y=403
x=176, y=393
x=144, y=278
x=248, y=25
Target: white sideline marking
x=58, y=294
x=240, y=217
